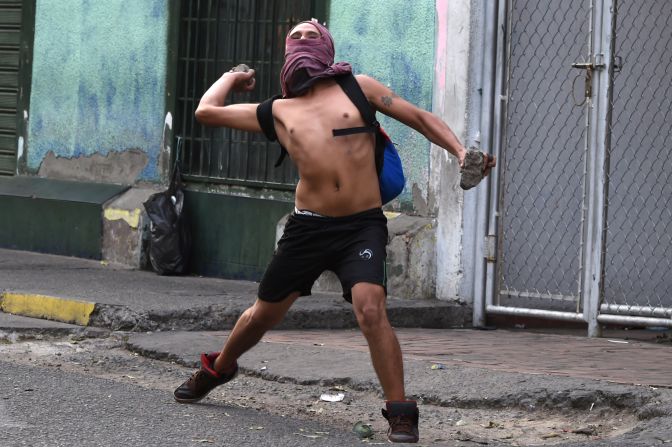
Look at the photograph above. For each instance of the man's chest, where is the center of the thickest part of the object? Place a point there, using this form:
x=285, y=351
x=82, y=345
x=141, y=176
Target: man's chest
x=329, y=109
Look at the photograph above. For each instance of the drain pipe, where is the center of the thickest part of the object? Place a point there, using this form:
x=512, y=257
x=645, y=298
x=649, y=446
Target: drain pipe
x=481, y=194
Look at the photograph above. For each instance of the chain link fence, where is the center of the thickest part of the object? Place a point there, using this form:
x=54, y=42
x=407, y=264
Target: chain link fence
x=544, y=207
x=638, y=254
x=543, y=158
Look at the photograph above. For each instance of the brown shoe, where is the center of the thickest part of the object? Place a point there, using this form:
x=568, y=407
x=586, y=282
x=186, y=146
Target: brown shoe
x=403, y=417
x=202, y=381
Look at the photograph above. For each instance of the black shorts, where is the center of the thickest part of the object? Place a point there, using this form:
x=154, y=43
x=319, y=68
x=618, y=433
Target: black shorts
x=353, y=247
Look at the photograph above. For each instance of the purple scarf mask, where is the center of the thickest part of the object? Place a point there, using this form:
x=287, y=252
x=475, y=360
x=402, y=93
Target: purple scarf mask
x=309, y=60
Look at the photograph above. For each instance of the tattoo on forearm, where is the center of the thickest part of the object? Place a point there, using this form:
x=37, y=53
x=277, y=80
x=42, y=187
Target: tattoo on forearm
x=387, y=99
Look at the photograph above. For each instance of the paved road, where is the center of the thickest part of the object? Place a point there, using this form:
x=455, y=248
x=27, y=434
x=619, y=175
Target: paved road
x=43, y=407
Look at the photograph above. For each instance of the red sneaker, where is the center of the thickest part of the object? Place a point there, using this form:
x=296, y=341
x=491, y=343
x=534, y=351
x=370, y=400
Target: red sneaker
x=202, y=381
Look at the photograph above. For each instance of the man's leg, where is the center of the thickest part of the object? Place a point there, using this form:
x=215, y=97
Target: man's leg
x=369, y=305
x=368, y=301
x=250, y=328
x=219, y=368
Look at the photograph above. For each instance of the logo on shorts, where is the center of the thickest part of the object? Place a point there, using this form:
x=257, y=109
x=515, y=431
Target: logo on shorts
x=366, y=254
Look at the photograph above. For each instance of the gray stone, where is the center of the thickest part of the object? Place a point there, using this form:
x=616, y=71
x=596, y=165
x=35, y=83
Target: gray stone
x=125, y=228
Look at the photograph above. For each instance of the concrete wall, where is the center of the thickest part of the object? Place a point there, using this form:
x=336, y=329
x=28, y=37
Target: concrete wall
x=451, y=103
x=97, y=102
x=393, y=41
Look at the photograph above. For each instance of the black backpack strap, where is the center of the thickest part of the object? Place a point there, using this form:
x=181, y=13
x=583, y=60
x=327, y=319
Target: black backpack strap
x=267, y=124
x=353, y=130
x=265, y=117
x=281, y=157
x=351, y=88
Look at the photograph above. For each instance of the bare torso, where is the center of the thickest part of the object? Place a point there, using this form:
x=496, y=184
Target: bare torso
x=337, y=174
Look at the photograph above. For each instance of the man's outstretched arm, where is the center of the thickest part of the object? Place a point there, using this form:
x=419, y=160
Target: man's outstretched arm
x=428, y=124
x=211, y=110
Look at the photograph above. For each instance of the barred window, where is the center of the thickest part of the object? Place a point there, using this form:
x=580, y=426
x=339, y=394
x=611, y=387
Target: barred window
x=216, y=35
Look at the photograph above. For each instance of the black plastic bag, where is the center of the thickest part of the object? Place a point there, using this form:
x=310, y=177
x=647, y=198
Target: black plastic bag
x=169, y=239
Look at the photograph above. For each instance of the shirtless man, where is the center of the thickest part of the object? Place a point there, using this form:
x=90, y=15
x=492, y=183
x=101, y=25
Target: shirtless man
x=338, y=223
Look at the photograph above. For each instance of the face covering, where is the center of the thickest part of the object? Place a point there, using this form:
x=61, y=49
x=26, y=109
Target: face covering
x=309, y=60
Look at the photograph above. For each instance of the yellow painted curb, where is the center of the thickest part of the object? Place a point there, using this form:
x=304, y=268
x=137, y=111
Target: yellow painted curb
x=132, y=218
x=47, y=307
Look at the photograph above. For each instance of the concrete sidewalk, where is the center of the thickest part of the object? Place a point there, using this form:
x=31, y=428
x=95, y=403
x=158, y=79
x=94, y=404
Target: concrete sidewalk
x=92, y=293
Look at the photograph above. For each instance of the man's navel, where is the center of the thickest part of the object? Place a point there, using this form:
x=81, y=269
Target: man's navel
x=346, y=115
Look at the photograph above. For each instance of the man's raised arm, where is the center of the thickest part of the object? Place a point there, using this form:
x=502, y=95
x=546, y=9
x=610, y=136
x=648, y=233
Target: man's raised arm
x=428, y=124
x=211, y=110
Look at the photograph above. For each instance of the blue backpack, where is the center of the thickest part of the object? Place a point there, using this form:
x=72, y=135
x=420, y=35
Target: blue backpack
x=391, y=175
x=388, y=164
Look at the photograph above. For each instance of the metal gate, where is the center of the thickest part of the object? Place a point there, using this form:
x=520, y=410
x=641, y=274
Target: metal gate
x=584, y=136
x=638, y=240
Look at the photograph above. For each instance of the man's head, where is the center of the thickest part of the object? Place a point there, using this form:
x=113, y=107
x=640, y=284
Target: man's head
x=304, y=30
x=309, y=56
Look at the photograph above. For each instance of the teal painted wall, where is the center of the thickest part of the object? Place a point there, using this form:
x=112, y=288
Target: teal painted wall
x=99, y=70
x=393, y=41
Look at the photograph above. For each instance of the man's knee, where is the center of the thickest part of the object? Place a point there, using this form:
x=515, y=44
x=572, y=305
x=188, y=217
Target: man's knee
x=262, y=318
x=369, y=306
x=266, y=315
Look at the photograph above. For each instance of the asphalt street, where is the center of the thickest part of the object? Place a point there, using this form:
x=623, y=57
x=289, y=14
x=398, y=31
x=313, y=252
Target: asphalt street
x=46, y=407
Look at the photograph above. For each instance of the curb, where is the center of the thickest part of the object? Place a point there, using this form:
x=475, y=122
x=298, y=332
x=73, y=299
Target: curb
x=47, y=307
x=223, y=316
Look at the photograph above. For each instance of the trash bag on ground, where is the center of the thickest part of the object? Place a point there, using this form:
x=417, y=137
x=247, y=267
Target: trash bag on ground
x=169, y=239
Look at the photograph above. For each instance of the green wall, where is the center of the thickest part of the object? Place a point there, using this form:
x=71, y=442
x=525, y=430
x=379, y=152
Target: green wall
x=99, y=73
x=232, y=237
x=393, y=41
x=53, y=216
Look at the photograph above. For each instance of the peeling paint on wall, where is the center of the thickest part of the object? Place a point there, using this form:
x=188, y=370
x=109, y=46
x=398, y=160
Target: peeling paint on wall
x=114, y=167
x=20, y=148
x=393, y=41
x=441, y=49
x=98, y=83
x=169, y=120
x=164, y=157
